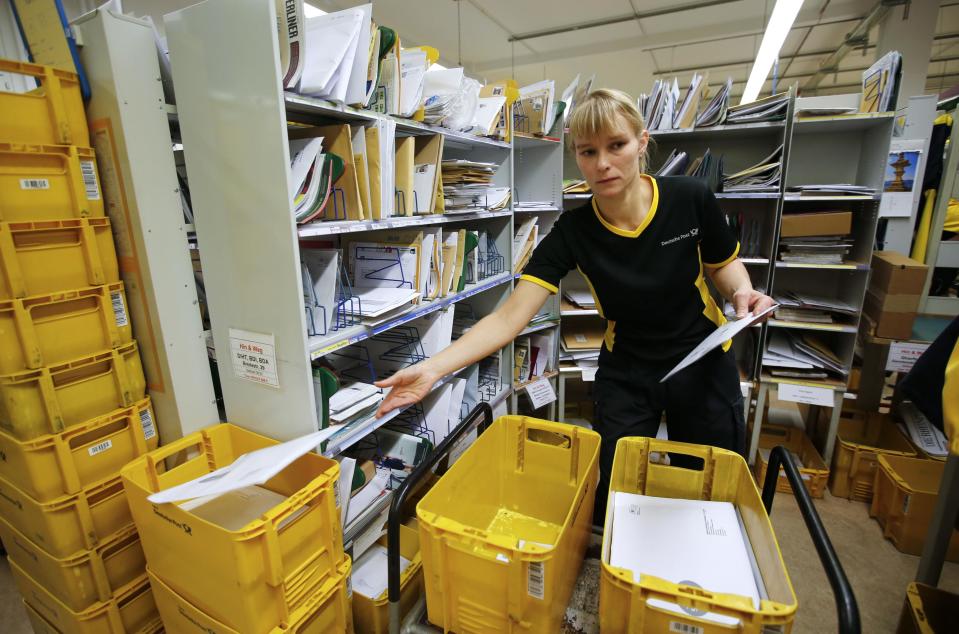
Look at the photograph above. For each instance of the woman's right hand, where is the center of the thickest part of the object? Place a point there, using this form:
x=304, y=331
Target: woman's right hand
x=407, y=386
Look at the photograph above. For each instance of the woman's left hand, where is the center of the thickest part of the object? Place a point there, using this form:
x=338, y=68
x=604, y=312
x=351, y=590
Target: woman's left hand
x=750, y=301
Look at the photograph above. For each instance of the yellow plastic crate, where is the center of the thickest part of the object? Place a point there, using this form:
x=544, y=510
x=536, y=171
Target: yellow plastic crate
x=42, y=182
x=814, y=472
x=255, y=577
x=725, y=477
x=904, y=498
x=46, y=329
x=371, y=616
x=504, y=531
x=131, y=609
x=860, y=440
x=53, y=255
x=42, y=626
x=51, y=399
x=326, y=611
x=85, y=578
x=61, y=464
x=52, y=113
x=71, y=523
x=928, y=610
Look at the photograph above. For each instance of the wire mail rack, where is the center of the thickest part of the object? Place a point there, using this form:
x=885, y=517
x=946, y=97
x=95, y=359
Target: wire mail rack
x=346, y=310
x=490, y=379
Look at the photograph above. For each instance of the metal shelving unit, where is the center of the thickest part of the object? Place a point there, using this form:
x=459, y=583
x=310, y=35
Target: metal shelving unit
x=943, y=253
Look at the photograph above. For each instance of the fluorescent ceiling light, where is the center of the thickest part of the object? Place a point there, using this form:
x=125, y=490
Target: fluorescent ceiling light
x=311, y=11
x=780, y=22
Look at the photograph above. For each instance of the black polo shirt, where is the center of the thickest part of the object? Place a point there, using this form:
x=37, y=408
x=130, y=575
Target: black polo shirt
x=648, y=283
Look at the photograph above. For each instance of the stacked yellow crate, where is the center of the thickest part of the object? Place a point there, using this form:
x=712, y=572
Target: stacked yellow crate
x=73, y=408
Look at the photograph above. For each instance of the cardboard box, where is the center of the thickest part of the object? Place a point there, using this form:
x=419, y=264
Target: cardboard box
x=820, y=223
x=895, y=289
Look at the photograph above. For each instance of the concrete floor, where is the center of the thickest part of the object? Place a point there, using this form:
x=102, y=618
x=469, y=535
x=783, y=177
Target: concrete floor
x=878, y=572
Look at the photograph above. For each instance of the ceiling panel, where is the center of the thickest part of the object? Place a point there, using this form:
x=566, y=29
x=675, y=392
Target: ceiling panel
x=598, y=36
x=748, y=12
x=523, y=17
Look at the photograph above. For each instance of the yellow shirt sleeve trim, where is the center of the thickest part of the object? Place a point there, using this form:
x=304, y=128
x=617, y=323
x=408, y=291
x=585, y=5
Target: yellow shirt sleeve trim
x=724, y=262
x=539, y=282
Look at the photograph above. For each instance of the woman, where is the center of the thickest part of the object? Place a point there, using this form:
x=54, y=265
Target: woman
x=643, y=245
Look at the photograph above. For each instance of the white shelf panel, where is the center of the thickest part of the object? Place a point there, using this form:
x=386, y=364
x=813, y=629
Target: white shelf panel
x=538, y=210
x=321, y=107
x=848, y=266
x=748, y=195
x=583, y=312
x=740, y=129
x=538, y=327
x=348, y=226
x=322, y=345
x=841, y=123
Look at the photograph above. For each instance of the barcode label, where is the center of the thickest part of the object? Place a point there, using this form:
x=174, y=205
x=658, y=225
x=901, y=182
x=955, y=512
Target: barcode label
x=905, y=504
x=119, y=310
x=34, y=183
x=100, y=447
x=89, y=173
x=536, y=581
x=684, y=628
x=146, y=422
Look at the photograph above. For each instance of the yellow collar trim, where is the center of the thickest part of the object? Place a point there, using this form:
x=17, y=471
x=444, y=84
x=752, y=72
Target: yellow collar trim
x=648, y=219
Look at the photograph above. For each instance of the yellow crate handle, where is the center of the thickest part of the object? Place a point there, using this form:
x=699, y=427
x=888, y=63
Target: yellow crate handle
x=639, y=462
x=50, y=403
x=196, y=441
x=685, y=596
x=85, y=517
x=556, y=436
x=29, y=342
x=91, y=253
x=9, y=267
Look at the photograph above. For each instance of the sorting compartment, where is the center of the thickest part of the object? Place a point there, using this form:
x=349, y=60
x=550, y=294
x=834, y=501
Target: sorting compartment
x=52, y=113
x=504, y=531
x=624, y=602
x=371, y=616
x=131, y=609
x=43, y=182
x=904, y=499
x=85, y=578
x=71, y=523
x=48, y=400
x=860, y=439
x=54, y=465
x=814, y=472
x=254, y=576
x=326, y=611
x=46, y=329
x=53, y=255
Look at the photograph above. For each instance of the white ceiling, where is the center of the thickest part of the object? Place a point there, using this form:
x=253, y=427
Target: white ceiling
x=723, y=36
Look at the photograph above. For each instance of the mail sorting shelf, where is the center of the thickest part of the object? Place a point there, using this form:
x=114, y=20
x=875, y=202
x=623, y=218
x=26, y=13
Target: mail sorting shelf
x=268, y=292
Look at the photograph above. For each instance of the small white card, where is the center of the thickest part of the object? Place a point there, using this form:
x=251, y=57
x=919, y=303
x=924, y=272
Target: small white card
x=903, y=355
x=541, y=393
x=809, y=394
x=254, y=357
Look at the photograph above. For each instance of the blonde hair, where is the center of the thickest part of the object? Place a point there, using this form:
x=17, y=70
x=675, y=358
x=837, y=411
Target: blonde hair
x=596, y=114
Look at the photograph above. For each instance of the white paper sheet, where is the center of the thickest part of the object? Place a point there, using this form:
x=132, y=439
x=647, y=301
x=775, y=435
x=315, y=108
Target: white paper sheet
x=716, y=338
x=369, y=576
x=329, y=39
x=249, y=469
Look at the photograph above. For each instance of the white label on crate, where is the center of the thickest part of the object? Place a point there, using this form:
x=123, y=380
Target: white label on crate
x=809, y=394
x=146, y=422
x=541, y=393
x=100, y=447
x=119, y=310
x=349, y=587
x=254, y=357
x=905, y=504
x=462, y=445
x=34, y=183
x=536, y=580
x=903, y=355
x=684, y=628
x=89, y=173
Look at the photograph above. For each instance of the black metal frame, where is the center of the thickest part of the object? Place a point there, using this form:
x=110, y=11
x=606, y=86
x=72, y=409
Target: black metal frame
x=849, y=622
x=480, y=417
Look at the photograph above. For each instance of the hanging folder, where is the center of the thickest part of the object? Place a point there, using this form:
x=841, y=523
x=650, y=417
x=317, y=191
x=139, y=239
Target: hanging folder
x=337, y=139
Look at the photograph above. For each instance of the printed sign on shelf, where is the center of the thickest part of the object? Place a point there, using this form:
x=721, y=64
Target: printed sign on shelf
x=254, y=357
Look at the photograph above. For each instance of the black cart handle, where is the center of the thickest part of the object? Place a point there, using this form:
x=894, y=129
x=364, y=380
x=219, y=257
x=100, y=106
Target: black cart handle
x=482, y=413
x=845, y=599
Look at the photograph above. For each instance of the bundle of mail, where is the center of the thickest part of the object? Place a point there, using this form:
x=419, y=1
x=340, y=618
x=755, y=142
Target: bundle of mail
x=772, y=108
x=764, y=176
x=354, y=401
x=830, y=190
x=313, y=174
x=525, y=240
x=575, y=186
x=707, y=168
x=815, y=249
x=468, y=186
x=801, y=355
x=880, y=84
x=532, y=355
x=535, y=111
x=811, y=308
x=667, y=108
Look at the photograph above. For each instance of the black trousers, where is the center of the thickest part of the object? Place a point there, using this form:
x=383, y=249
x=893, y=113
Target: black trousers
x=703, y=405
